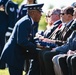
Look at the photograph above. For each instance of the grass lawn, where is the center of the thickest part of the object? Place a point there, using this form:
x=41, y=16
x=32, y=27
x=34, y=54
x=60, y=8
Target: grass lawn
x=5, y=72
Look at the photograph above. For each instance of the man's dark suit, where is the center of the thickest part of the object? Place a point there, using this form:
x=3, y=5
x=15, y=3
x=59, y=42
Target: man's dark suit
x=47, y=34
x=62, y=58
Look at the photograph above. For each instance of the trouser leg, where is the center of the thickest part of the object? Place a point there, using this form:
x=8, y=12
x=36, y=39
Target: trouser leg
x=2, y=65
x=34, y=68
x=63, y=64
x=15, y=71
x=57, y=68
x=73, y=65
x=2, y=43
x=42, y=66
x=47, y=58
x=69, y=64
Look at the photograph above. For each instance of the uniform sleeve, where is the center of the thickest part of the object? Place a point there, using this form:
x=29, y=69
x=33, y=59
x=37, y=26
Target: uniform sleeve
x=23, y=32
x=12, y=9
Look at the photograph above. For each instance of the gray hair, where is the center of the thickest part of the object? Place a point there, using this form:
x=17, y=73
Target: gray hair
x=56, y=11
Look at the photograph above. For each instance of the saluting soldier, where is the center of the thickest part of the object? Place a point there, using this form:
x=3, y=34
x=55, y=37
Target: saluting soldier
x=14, y=52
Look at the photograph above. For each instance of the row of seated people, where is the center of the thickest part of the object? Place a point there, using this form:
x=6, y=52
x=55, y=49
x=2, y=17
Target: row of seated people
x=65, y=63
x=57, y=42
x=57, y=30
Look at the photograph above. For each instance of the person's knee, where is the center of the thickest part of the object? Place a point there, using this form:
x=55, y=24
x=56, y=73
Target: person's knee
x=68, y=59
x=55, y=58
x=73, y=59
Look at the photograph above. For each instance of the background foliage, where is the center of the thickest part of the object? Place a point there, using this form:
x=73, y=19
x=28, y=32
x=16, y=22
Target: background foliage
x=18, y=1
x=42, y=23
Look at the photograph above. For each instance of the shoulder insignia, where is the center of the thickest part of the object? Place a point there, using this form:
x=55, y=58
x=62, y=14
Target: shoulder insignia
x=12, y=9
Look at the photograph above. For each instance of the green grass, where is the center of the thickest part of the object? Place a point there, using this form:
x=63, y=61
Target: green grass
x=6, y=72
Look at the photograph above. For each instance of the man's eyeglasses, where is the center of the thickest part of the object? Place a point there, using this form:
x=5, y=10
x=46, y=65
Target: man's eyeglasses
x=62, y=13
x=49, y=15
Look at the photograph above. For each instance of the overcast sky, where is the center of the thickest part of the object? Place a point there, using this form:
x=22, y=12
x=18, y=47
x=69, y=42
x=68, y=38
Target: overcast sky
x=55, y=3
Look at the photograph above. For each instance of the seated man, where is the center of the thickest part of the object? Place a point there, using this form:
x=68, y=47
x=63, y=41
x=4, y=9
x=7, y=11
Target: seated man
x=52, y=23
x=60, y=34
x=59, y=59
x=46, y=55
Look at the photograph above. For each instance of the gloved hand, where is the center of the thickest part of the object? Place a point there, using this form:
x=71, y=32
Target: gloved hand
x=8, y=34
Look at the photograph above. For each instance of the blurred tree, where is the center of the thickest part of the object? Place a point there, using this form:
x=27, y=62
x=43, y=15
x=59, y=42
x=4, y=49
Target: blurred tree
x=18, y=1
x=51, y=6
x=42, y=23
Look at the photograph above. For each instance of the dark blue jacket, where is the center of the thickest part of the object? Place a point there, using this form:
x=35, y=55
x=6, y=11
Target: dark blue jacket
x=11, y=10
x=14, y=52
x=3, y=28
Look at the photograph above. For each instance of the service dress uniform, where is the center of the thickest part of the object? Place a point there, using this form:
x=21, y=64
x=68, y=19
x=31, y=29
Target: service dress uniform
x=14, y=52
x=11, y=10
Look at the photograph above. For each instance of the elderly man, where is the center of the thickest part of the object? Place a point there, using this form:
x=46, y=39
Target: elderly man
x=15, y=50
x=53, y=21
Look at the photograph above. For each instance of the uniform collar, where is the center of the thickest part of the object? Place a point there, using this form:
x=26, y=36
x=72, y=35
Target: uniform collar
x=56, y=22
x=32, y=21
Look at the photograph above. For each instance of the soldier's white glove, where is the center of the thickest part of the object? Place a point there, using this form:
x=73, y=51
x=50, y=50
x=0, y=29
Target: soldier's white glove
x=8, y=34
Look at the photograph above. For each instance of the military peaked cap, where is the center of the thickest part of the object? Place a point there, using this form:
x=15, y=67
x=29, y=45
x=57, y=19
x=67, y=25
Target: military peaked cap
x=35, y=6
